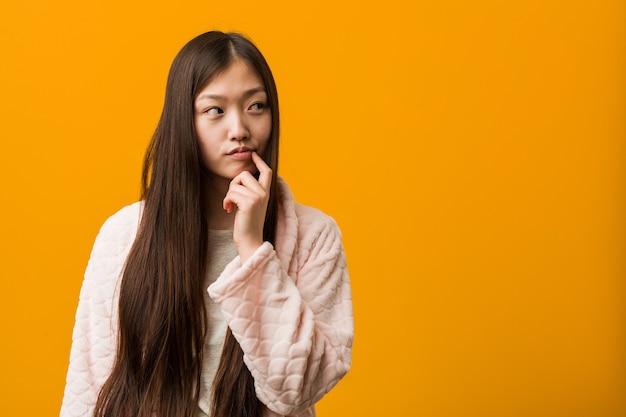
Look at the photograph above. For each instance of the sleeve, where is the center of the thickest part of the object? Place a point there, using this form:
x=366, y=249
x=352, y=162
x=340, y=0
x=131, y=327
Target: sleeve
x=94, y=336
x=295, y=331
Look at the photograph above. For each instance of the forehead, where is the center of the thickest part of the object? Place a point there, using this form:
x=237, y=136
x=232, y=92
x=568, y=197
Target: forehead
x=237, y=76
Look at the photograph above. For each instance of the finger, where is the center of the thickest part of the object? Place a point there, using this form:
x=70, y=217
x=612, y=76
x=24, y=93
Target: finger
x=245, y=182
x=265, y=172
x=229, y=203
x=240, y=194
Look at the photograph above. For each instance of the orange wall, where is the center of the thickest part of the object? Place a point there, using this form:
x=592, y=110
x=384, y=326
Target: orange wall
x=472, y=152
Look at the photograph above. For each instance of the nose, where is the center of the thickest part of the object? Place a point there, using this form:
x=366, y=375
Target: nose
x=238, y=128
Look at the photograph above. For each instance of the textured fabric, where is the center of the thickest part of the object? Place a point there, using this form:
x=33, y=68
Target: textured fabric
x=289, y=307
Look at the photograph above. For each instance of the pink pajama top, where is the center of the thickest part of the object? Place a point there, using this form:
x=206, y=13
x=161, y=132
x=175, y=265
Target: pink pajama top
x=289, y=306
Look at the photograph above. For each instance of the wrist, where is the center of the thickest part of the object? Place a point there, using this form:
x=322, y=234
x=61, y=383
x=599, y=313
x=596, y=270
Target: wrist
x=246, y=251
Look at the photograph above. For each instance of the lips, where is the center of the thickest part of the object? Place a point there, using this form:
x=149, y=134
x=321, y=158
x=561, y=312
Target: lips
x=241, y=152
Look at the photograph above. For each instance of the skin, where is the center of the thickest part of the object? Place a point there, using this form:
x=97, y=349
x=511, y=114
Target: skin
x=231, y=114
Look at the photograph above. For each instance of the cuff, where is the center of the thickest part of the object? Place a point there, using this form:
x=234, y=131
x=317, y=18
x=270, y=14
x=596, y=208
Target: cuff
x=236, y=275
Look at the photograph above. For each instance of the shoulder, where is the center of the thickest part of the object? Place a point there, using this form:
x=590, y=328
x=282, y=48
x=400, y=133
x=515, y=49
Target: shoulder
x=124, y=219
x=318, y=233
x=306, y=220
x=118, y=232
x=319, y=237
x=107, y=259
x=311, y=218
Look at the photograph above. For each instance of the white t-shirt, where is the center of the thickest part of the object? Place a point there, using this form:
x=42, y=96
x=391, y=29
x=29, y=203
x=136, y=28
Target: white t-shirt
x=222, y=251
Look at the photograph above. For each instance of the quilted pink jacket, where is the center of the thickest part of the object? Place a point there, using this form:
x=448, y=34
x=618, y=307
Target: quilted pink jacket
x=289, y=307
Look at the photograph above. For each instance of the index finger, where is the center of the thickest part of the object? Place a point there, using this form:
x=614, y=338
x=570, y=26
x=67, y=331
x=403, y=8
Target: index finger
x=265, y=172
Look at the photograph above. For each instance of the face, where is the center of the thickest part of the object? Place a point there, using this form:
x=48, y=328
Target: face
x=232, y=119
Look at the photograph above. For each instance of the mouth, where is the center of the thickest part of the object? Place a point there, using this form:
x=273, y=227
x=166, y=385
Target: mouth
x=241, y=152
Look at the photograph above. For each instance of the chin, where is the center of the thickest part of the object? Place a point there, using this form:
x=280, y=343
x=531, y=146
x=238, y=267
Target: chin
x=231, y=175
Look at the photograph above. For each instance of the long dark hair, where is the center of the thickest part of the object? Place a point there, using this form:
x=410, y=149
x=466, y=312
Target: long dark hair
x=162, y=317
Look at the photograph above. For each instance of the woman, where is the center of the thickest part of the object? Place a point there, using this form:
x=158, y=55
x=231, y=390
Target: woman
x=273, y=332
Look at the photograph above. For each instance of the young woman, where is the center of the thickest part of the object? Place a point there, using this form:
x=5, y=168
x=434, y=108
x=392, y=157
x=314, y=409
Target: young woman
x=216, y=294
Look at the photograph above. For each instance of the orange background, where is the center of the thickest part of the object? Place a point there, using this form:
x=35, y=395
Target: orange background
x=472, y=153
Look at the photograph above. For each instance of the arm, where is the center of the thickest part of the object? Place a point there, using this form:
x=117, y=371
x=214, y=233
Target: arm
x=296, y=331
x=94, y=336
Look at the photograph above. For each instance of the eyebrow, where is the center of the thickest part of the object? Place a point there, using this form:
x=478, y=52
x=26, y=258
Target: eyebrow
x=246, y=94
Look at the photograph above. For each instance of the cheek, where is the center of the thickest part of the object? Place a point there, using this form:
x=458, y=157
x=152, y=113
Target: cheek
x=205, y=135
x=206, y=146
x=263, y=131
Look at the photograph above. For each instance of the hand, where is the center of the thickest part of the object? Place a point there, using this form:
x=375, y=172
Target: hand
x=249, y=197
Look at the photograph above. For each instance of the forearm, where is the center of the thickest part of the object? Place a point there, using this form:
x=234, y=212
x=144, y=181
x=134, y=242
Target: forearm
x=297, y=348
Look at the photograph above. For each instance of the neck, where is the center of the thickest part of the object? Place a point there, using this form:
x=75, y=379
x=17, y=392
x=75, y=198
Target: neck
x=215, y=191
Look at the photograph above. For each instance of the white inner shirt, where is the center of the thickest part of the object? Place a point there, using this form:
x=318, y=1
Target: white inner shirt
x=222, y=251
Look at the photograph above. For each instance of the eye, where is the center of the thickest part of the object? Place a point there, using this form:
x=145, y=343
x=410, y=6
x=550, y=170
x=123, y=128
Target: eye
x=214, y=111
x=258, y=106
